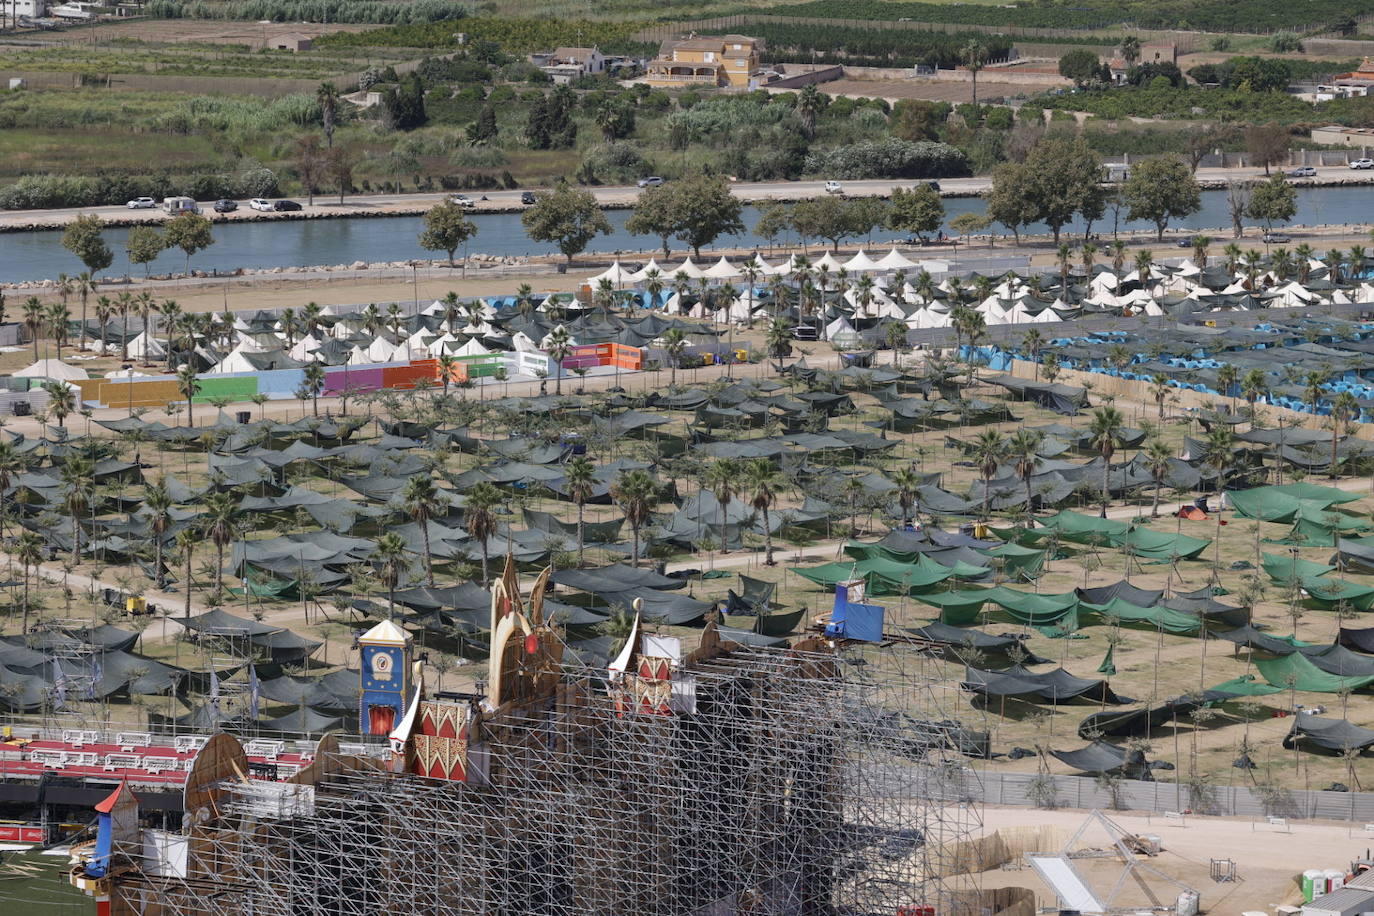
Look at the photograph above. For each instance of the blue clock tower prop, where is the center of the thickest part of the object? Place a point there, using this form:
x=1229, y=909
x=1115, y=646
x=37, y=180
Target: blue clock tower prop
x=386, y=681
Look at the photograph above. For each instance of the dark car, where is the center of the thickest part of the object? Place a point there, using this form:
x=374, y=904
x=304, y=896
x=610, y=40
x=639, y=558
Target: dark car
x=527, y=197
x=286, y=206
x=226, y=206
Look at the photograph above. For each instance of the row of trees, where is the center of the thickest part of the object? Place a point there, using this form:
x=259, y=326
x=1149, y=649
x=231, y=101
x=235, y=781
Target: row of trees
x=85, y=238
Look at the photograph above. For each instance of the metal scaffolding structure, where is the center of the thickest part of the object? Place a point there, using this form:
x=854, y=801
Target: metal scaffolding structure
x=780, y=784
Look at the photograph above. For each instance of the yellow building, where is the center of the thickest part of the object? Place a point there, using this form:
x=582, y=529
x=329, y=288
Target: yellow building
x=717, y=60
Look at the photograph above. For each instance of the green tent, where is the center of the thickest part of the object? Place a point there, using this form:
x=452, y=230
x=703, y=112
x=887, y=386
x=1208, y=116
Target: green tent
x=1157, y=545
x=1286, y=503
x=1108, y=666
x=1286, y=569
x=885, y=577
x=1306, y=676
x=1077, y=528
x=1156, y=618
x=1019, y=562
x=1247, y=686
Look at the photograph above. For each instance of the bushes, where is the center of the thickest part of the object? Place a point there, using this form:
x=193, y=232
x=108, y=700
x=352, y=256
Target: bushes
x=378, y=11
x=515, y=36
x=612, y=162
x=724, y=117
x=890, y=158
x=219, y=113
x=47, y=191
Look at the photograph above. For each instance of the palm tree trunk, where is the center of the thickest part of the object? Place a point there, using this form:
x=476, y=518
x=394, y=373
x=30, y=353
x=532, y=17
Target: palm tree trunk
x=1335, y=429
x=767, y=538
x=485, y=578
x=987, y=496
x=1154, y=510
x=581, y=535
x=188, y=582
x=26, y=599
x=158, y=559
x=634, y=560
x=429, y=557
x=76, y=538
x=219, y=566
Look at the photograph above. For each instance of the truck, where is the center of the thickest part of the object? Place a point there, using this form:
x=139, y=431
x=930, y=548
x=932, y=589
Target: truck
x=176, y=205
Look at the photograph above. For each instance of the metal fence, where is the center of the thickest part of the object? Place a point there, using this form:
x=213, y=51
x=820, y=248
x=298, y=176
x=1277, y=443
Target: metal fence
x=1025, y=789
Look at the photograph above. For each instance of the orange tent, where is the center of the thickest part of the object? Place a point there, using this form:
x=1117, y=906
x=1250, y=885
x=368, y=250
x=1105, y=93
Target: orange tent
x=1192, y=514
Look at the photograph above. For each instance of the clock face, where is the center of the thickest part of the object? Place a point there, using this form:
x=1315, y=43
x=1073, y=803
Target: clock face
x=382, y=666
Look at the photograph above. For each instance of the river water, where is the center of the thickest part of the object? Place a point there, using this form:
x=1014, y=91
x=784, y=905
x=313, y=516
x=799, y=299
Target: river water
x=40, y=255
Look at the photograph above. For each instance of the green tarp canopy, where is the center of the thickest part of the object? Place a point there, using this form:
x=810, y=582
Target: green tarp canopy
x=1019, y=562
x=1328, y=593
x=1077, y=528
x=1159, y=618
x=1285, y=503
x=960, y=608
x=1297, y=671
x=884, y=577
x=1247, y=686
x=1288, y=569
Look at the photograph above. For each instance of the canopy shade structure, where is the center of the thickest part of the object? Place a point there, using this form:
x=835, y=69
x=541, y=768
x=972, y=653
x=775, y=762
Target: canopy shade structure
x=1055, y=686
x=1100, y=757
x=1327, y=734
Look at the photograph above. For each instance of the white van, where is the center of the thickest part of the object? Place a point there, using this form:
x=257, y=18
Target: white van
x=179, y=205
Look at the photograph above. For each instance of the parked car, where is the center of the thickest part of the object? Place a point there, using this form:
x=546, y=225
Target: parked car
x=527, y=197
x=833, y=187
x=141, y=203
x=652, y=181
x=1362, y=163
x=226, y=206
x=286, y=206
x=1302, y=171
x=1275, y=238
x=462, y=200
x=261, y=203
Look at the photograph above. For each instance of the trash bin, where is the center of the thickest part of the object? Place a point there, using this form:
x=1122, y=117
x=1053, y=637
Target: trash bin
x=245, y=417
x=21, y=409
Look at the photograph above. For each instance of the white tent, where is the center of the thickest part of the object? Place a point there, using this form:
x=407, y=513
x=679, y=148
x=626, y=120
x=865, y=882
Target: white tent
x=763, y=267
x=234, y=362
x=861, y=263
x=722, y=270
x=895, y=260
x=687, y=268
x=840, y=326
x=53, y=369
x=145, y=346
x=642, y=275
x=440, y=345
x=472, y=348
x=523, y=343
x=303, y=348
x=828, y=262
x=380, y=350
x=618, y=275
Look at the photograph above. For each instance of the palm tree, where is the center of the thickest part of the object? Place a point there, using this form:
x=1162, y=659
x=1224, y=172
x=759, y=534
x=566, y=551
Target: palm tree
x=390, y=556
x=221, y=524
x=78, y=489
x=988, y=450
x=1227, y=376
x=1281, y=262
x=579, y=478
x=604, y=297
x=1218, y=452
x=810, y=103
x=328, y=97
x=1304, y=254
x=157, y=500
x=908, y=482
x=1144, y=261
x=674, y=346
x=1104, y=434
x=723, y=477
x=1032, y=343
x=1089, y=255
x=559, y=346
x=186, y=544
x=1023, y=448
x=524, y=300
x=29, y=550
x=35, y=316
x=974, y=55
x=61, y=401
x=779, y=337
x=1253, y=386
x=187, y=387
x=1118, y=257
x=762, y=481
x=863, y=291
x=1200, y=246
x=636, y=493
x=11, y=465
x=59, y=319
x=1158, y=457
x=104, y=311
x=85, y=285
x=1065, y=258
x=1345, y=410
x=419, y=499
x=1159, y=390
x=1232, y=252
x=479, y=517
x=1253, y=261
x=1314, y=388
x=1356, y=260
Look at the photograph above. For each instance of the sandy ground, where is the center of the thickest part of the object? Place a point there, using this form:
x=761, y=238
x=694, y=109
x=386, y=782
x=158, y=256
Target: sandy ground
x=1267, y=858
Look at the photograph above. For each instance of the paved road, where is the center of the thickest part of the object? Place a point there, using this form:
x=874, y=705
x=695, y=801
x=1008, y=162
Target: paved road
x=497, y=201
